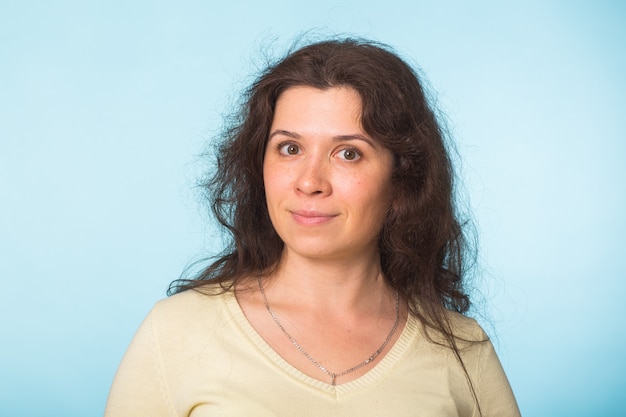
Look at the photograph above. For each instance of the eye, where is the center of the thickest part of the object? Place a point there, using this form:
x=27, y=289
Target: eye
x=349, y=154
x=288, y=149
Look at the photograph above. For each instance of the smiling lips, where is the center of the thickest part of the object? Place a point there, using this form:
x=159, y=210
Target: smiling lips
x=311, y=217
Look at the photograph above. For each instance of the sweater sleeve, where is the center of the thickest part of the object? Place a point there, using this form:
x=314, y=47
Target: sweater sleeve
x=139, y=388
x=494, y=392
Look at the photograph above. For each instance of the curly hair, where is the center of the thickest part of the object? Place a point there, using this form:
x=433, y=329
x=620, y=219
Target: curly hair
x=422, y=243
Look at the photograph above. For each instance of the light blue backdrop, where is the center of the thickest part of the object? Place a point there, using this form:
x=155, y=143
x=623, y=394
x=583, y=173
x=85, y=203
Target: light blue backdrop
x=104, y=106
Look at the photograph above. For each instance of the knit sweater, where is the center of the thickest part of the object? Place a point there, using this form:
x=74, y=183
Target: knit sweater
x=197, y=355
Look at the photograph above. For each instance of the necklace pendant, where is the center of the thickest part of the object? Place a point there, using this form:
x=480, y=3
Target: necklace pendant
x=334, y=376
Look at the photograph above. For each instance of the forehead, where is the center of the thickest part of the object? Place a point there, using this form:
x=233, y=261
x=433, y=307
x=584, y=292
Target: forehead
x=340, y=107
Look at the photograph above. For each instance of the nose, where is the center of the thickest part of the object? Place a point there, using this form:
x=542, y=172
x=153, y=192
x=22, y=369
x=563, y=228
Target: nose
x=314, y=176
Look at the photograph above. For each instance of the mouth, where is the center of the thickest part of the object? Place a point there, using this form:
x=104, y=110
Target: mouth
x=311, y=217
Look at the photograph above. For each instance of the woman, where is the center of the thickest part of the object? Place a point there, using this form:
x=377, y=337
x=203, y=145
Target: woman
x=342, y=291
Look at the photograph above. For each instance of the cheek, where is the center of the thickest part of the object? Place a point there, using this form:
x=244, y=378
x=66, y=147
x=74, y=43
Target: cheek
x=372, y=198
x=275, y=183
x=382, y=196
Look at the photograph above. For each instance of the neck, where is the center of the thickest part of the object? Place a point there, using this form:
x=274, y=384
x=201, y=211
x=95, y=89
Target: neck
x=331, y=284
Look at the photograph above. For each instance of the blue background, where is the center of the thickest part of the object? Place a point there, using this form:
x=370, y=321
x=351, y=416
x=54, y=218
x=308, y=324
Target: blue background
x=105, y=105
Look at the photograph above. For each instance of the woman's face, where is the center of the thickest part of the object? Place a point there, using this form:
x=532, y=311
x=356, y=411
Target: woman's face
x=327, y=183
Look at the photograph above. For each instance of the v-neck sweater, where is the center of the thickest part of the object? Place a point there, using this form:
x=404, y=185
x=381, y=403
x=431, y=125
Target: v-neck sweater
x=197, y=355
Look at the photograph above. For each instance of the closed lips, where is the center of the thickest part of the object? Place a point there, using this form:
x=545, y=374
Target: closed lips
x=311, y=216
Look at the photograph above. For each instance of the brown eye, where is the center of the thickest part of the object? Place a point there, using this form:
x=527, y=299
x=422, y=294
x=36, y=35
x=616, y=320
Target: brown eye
x=289, y=149
x=350, y=154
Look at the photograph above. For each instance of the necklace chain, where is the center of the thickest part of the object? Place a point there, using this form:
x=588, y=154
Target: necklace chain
x=332, y=375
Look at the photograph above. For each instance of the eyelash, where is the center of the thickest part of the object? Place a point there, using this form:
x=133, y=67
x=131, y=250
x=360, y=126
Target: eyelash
x=281, y=147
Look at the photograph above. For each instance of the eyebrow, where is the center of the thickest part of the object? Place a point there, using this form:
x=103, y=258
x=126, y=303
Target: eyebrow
x=338, y=138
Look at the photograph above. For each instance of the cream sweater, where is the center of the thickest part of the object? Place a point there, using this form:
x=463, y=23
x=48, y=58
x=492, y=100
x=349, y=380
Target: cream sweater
x=197, y=355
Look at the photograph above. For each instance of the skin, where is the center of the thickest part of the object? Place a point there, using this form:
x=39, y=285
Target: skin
x=328, y=184
x=328, y=189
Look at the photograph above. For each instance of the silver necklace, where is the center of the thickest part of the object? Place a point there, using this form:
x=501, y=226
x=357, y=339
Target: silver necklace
x=332, y=375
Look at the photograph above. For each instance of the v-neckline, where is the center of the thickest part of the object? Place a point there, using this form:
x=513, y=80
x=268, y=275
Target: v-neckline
x=379, y=371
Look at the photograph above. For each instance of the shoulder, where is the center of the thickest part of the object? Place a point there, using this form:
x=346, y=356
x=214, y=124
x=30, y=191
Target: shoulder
x=207, y=296
x=466, y=328
x=480, y=364
x=474, y=346
x=190, y=300
x=189, y=311
x=483, y=367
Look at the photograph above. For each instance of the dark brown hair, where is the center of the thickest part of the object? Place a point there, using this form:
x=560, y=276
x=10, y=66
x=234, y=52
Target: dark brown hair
x=422, y=245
